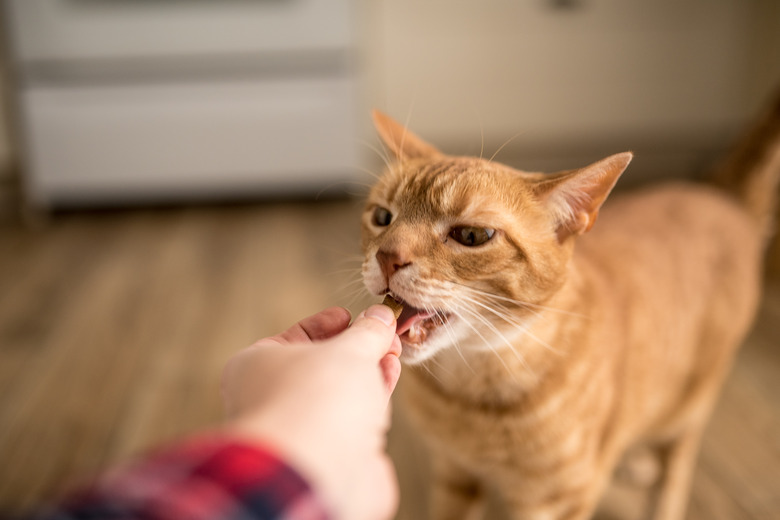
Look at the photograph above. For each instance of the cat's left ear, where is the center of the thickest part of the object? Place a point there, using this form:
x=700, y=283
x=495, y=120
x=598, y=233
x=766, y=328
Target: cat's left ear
x=403, y=143
x=574, y=198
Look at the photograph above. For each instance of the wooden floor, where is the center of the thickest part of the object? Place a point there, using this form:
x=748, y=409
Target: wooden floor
x=114, y=327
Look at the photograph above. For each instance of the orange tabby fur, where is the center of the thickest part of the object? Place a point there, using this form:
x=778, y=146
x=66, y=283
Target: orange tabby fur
x=557, y=360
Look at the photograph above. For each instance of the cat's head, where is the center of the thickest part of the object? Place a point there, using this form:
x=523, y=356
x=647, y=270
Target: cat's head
x=470, y=246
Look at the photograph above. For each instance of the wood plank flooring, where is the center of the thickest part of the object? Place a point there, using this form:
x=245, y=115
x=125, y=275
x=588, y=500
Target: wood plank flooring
x=114, y=327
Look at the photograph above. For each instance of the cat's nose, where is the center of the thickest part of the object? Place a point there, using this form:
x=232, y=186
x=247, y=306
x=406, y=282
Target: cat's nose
x=391, y=261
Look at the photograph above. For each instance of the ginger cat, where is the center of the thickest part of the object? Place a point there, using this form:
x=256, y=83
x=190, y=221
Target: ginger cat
x=541, y=349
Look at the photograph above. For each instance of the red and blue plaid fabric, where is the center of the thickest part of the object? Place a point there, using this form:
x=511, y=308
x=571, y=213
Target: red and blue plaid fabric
x=201, y=479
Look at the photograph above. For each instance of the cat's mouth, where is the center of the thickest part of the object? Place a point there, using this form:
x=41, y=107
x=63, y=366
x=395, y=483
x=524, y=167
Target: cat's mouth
x=414, y=325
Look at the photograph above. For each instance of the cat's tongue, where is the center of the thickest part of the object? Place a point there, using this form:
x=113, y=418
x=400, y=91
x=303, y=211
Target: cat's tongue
x=409, y=317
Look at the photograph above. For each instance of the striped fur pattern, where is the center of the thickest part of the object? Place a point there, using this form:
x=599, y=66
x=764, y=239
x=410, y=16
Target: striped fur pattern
x=534, y=366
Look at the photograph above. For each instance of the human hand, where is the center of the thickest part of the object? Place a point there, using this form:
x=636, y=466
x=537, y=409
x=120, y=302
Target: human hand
x=319, y=394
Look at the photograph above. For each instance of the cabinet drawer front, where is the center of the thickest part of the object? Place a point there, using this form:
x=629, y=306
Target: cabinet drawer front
x=47, y=30
x=180, y=140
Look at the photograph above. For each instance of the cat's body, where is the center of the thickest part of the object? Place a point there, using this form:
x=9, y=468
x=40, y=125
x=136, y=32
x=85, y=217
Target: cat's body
x=535, y=365
x=640, y=359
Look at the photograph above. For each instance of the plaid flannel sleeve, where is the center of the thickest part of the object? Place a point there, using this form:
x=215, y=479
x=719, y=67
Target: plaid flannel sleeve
x=200, y=479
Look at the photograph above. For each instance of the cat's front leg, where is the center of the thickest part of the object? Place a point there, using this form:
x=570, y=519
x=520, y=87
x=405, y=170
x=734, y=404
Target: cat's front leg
x=671, y=495
x=455, y=493
x=557, y=498
x=569, y=508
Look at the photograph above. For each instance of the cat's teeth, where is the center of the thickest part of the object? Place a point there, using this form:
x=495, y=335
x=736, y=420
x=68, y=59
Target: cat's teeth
x=417, y=333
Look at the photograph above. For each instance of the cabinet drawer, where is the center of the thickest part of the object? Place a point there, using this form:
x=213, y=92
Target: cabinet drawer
x=175, y=141
x=47, y=30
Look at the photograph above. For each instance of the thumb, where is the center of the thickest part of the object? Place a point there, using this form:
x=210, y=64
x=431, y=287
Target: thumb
x=373, y=333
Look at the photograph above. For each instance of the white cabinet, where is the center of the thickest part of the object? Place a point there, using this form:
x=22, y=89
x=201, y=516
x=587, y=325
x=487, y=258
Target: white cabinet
x=130, y=101
x=189, y=140
x=115, y=29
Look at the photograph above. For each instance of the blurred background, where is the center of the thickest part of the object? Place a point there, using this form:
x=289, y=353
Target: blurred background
x=181, y=177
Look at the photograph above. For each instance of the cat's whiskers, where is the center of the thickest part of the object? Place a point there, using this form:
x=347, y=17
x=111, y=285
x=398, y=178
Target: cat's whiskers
x=339, y=248
x=436, y=361
x=431, y=372
x=500, y=335
x=351, y=270
x=371, y=173
x=356, y=258
x=481, y=135
x=454, y=342
x=500, y=312
x=353, y=290
x=354, y=275
x=362, y=186
x=381, y=152
x=518, y=134
x=466, y=305
x=483, y=299
x=458, y=312
x=351, y=265
x=353, y=286
x=522, y=327
x=527, y=332
x=353, y=297
x=519, y=303
x=406, y=127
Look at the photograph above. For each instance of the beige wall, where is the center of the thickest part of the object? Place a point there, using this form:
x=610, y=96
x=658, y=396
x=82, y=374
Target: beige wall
x=674, y=79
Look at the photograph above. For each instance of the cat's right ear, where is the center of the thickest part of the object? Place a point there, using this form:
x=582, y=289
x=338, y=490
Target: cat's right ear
x=403, y=143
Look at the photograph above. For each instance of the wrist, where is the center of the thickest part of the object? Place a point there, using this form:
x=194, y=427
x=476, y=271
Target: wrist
x=296, y=446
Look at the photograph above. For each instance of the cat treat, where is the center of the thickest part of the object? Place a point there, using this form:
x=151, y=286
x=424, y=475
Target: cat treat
x=396, y=306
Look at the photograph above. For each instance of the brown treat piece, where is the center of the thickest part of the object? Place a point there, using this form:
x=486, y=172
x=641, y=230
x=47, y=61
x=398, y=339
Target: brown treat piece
x=394, y=305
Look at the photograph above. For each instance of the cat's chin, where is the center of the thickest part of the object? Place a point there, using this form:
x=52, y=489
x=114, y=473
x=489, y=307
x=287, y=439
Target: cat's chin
x=414, y=353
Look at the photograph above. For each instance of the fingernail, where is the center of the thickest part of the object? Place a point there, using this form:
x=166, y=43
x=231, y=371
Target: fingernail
x=381, y=313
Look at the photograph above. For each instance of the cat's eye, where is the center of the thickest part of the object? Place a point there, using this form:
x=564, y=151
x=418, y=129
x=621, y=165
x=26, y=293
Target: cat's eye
x=471, y=236
x=382, y=217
